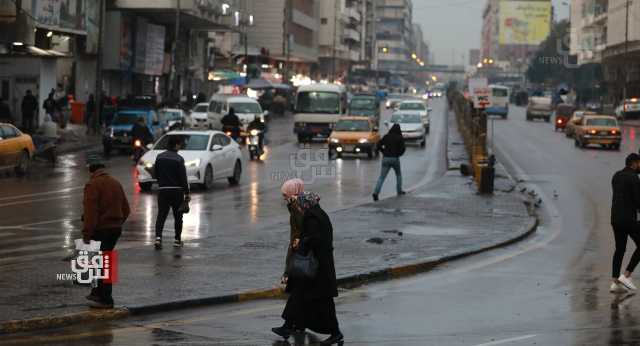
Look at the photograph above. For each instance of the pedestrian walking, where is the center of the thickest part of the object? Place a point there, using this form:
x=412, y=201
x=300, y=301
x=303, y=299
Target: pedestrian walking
x=173, y=189
x=624, y=220
x=105, y=210
x=5, y=113
x=29, y=109
x=50, y=107
x=310, y=304
x=290, y=190
x=392, y=147
x=89, y=112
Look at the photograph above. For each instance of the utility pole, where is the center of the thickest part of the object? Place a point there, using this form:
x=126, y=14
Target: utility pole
x=286, y=46
x=175, y=84
x=335, y=31
x=626, y=49
x=98, y=93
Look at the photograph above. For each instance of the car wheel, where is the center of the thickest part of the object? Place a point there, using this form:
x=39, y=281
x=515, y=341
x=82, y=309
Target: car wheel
x=424, y=142
x=576, y=143
x=23, y=165
x=583, y=144
x=616, y=146
x=370, y=153
x=145, y=187
x=237, y=173
x=208, y=178
x=301, y=139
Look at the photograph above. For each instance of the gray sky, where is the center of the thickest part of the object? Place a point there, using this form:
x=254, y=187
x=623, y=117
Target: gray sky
x=453, y=26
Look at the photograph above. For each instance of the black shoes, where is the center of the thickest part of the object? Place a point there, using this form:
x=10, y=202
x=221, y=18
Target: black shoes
x=375, y=197
x=283, y=331
x=402, y=193
x=334, y=339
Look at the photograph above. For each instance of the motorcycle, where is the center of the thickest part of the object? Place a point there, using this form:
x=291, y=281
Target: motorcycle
x=253, y=144
x=46, y=148
x=233, y=132
x=138, y=150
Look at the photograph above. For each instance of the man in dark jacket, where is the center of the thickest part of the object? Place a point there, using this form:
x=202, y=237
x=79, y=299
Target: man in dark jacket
x=392, y=147
x=141, y=131
x=624, y=208
x=105, y=210
x=231, y=122
x=49, y=106
x=173, y=188
x=29, y=108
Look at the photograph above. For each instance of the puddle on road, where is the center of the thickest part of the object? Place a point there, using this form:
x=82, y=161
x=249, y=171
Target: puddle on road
x=430, y=230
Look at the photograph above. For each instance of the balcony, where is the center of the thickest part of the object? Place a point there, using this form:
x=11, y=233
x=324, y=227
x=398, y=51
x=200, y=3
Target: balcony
x=195, y=14
x=304, y=20
x=351, y=35
x=352, y=14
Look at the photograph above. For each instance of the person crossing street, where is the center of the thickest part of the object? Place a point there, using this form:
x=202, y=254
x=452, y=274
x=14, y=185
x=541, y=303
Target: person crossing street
x=173, y=189
x=392, y=147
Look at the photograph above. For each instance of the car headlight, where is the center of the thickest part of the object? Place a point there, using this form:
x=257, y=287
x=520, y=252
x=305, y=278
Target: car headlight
x=145, y=164
x=363, y=140
x=192, y=163
x=254, y=132
x=388, y=103
x=335, y=140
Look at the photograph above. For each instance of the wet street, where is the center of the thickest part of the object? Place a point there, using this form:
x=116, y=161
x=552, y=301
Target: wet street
x=40, y=214
x=551, y=289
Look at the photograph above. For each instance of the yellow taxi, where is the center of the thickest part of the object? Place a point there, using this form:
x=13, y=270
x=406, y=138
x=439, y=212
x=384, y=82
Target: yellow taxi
x=16, y=149
x=356, y=135
x=572, y=124
x=598, y=129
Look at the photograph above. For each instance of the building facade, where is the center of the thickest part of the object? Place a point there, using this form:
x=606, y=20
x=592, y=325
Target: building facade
x=393, y=30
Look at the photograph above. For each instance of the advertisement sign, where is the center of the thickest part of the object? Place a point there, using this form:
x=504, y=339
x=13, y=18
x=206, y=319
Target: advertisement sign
x=47, y=12
x=524, y=22
x=480, y=92
x=149, y=51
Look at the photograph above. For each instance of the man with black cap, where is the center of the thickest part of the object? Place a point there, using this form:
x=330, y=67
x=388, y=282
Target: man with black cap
x=105, y=210
x=624, y=219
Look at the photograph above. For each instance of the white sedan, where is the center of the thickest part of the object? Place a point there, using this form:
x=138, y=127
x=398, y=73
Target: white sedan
x=208, y=156
x=200, y=117
x=411, y=126
x=416, y=107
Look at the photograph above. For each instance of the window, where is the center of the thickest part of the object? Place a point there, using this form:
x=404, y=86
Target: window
x=318, y=102
x=323, y=21
x=220, y=140
x=499, y=92
x=411, y=106
x=602, y=122
x=200, y=109
x=246, y=107
x=191, y=142
x=7, y=132
x=352, y=126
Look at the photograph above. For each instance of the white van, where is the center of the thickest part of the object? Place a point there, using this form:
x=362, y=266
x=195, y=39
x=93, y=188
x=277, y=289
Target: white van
x=245, y=107
x=499, y=99
x=318, y=107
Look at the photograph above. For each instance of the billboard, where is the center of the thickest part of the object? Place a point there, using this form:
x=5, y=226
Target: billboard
x=524, y=22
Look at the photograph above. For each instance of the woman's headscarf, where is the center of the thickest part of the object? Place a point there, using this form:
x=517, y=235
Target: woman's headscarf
x=306, y=200
x=292, y=187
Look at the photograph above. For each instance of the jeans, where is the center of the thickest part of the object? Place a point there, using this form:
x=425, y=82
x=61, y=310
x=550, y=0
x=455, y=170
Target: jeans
x=107, y=239
x=169, y=199
x=621, y=232
x=387, y=164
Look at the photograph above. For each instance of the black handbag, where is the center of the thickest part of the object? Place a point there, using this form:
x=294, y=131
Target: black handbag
x=303, y=266
x=184, y=207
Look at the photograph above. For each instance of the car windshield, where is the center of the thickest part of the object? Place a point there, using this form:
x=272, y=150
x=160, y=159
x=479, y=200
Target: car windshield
x=406, y=118
x=412, y=106
x=125, y=119
x=168, y=115
x=363, y=103
x=602, y=122
x=191, y=142
x=246, y=107
x=499, y=92
x=318, y=102
x=201, y=108
x=352, y=126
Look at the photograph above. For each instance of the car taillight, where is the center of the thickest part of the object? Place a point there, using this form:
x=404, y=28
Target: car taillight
x=137, y=143
x=559, y=121
x=614, y=132
x=593, y=132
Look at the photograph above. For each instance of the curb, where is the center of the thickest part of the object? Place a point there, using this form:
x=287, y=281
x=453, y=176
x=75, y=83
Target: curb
x=351, y=281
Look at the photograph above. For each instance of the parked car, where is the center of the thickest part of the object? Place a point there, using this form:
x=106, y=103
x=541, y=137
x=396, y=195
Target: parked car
x=411, y=125
x=16, y=149
x=416, y=107
x=598, y=129
x=630, y=108
x=209, y=156
x=118, y=135
x=200, y=118
x=356, y=135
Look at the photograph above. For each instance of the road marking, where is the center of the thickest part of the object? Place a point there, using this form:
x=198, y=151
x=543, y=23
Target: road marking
x=506, y=341
x=29, y=201
x=69, y=189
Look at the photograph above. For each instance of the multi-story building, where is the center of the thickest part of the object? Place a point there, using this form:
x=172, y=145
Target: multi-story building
x=288, y=29
x=393, y=40
x=474, y=57
x=420, y=48
x=340, y=37
x=589, y=30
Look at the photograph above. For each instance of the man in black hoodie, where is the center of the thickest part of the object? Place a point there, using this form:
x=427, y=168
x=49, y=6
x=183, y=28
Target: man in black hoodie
x=392, y=147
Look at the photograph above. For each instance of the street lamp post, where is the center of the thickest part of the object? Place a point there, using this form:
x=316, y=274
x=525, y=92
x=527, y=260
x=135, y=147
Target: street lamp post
x=243, y=23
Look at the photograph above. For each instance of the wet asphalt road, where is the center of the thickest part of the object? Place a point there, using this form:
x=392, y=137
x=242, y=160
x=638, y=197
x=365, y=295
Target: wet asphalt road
x=40, y=214
x=551, y=289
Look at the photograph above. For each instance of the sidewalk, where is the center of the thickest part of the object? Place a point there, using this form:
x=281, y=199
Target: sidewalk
x=75, y=138
x=394, y=237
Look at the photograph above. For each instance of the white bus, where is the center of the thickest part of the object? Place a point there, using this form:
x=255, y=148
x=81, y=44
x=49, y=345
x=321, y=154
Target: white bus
x=499, y=98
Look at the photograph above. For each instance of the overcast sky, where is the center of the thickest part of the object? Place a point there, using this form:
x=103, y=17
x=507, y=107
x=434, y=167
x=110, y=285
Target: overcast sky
x=452, y=27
